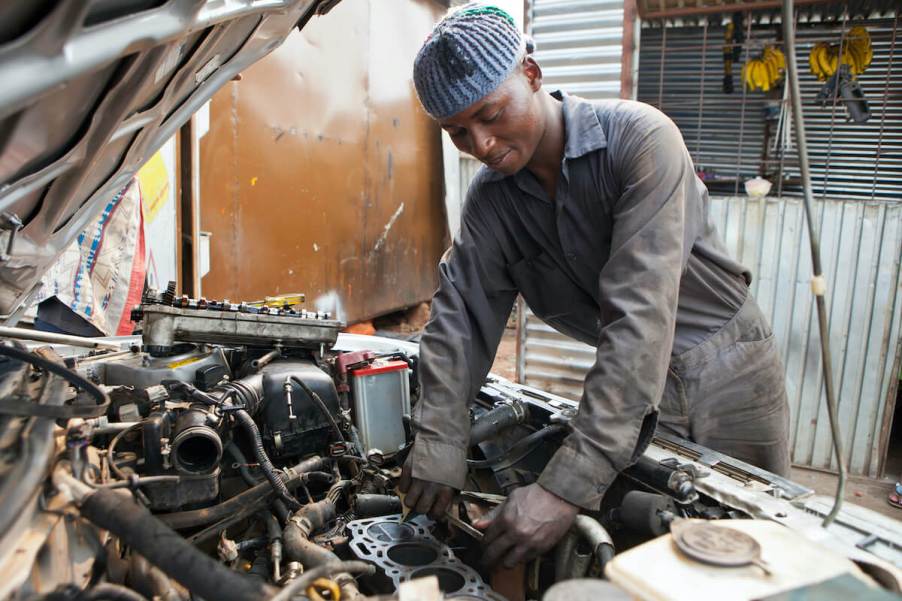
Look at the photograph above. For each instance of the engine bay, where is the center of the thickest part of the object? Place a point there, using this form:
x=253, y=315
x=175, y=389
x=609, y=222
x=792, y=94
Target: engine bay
x=238, y=453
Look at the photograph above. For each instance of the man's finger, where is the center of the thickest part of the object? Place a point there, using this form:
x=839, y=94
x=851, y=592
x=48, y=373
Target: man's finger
x=413, y=493
x=442, y=503
x=497, y=549
x=486, y=520
x=404, y=480
x=499, y=526
x=426, y=500
x=519, y=553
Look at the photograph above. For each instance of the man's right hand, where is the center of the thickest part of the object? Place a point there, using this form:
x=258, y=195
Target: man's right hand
x=423, y=496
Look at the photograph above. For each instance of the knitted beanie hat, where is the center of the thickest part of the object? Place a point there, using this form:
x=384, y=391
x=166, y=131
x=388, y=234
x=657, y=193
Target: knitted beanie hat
x=468, y=54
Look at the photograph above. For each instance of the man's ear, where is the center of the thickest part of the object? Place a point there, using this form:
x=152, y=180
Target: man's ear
x=533, y=73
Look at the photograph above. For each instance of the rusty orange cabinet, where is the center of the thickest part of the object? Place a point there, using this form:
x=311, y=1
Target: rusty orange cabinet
x=321, y=174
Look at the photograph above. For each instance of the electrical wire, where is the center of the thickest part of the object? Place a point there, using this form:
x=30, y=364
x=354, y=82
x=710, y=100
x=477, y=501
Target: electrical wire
x=818, y=284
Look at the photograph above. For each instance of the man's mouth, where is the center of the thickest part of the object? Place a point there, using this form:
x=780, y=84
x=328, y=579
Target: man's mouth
x=497, y=160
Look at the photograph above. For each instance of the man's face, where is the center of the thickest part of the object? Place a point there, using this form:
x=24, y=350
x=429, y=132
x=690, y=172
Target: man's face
x=503, y=128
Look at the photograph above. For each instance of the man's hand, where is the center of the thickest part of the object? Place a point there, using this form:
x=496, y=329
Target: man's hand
x=422, y=496
x=528, y=523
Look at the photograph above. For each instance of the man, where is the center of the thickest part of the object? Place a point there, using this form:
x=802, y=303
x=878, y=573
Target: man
x=592, y=211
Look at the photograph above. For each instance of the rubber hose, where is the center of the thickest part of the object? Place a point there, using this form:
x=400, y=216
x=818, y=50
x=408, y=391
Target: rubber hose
x=519, y=449
x=296, y=536
x=106, y=591
x=367, y=506
x=497, y=419
x=260, y=492
x=266, y=465
x=134, y=525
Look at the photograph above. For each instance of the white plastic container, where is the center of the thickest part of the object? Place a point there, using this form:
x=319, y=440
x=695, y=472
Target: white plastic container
x=381, y=399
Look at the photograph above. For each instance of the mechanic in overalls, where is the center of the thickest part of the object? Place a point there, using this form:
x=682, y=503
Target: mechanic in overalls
x=593, y=212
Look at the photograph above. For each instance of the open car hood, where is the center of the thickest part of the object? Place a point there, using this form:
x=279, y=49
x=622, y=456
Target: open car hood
x=91, y=89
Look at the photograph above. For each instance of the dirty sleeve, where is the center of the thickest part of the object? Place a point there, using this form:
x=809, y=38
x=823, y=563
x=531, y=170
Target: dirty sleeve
x=467, y=319
x=638, y=291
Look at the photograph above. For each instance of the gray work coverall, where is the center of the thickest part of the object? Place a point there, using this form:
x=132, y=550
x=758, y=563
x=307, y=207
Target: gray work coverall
x=625, y=259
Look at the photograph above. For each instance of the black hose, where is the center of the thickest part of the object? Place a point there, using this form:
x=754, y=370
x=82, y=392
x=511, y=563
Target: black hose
x=497, y=419
x=269, y=470
x=103, y=400
x=134, y=525
x=296, y=536
x=251, y=543
x=106, y=591
x=249, y=499
x=519, y=449
x=34, y=459
x=368, y=506
x=817, y=281
x=322, y=407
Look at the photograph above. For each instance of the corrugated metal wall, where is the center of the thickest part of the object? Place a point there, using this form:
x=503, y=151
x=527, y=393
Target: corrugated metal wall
x=681, y=72
x=862, y=246
x=579, y=46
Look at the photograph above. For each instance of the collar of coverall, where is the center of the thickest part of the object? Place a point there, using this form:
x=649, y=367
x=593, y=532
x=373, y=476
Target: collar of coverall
x=581, y=127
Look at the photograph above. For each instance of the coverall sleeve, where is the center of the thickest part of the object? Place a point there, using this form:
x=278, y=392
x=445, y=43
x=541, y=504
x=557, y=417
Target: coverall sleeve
x=639, y=287
x=469, y=313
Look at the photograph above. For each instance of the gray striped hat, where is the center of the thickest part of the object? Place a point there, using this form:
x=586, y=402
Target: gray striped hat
x=468, y=54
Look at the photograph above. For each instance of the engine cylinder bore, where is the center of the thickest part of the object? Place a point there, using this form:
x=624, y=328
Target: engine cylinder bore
x=196, y=446
x=413, y=554
x=449, y=581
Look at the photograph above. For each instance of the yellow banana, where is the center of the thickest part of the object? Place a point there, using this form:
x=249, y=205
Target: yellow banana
x=813, y=64
x=772, y=74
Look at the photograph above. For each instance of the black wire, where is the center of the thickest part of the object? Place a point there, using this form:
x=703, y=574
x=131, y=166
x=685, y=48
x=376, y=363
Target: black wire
x=103, y=400
x=322, y=406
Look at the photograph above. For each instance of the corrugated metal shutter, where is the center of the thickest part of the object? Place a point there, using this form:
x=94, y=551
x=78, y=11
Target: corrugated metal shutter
x=578, y=44
x=681, y=70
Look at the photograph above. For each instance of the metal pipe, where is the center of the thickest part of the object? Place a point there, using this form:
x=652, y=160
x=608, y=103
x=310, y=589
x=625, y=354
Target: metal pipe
x=53, y=338
x=818, y=284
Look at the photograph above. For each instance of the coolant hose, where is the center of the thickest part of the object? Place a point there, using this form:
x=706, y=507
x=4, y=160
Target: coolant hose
x=296, y=536
x=598, y=538
x=134, y=525
x=499, y=418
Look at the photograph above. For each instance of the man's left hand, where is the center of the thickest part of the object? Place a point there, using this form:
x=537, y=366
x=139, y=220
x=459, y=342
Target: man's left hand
x=530, y=522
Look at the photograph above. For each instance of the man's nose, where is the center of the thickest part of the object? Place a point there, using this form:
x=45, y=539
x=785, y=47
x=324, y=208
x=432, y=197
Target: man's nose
x=482, y=143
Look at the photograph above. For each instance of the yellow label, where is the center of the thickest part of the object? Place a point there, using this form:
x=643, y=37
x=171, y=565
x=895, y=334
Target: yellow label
x=187, y=361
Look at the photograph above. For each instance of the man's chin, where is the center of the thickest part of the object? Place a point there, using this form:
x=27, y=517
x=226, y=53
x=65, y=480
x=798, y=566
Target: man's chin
x=508, y=165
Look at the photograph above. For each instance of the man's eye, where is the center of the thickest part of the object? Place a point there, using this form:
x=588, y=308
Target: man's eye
x=456, y=133
x=494, y=117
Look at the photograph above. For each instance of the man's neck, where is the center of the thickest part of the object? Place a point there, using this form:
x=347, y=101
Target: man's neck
x=545, y=163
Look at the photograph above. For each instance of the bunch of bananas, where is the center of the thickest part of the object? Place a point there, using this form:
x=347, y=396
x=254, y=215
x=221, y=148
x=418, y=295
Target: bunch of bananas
x=766, y=71
x=857, y=52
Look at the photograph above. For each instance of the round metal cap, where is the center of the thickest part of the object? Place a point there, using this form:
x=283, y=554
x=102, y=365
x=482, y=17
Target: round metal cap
x=714, y=544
